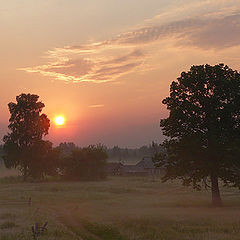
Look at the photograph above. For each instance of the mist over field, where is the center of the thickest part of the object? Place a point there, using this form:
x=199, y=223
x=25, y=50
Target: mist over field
x=117, y=208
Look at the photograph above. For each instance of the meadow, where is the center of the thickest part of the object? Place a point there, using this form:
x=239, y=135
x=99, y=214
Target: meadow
x=119, y=208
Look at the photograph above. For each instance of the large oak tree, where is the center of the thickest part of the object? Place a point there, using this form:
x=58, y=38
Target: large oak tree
x=203, y=129
x=24, y=146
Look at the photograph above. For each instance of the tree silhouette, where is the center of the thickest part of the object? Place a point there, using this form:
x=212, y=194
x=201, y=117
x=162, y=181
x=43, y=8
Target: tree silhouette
x=27, y=126
x=203, y=129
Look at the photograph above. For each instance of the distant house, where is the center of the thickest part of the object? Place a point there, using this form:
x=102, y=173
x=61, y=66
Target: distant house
x=148, y=166
x=143, y=168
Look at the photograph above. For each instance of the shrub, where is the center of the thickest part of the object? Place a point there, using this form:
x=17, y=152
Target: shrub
x=88, y=163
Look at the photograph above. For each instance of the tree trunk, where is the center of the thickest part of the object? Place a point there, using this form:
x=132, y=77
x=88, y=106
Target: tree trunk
x=216, y=198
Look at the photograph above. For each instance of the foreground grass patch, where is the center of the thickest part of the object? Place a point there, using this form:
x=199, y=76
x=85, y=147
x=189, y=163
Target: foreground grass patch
x=104, y=231
x=7, y=225
x=7, y=216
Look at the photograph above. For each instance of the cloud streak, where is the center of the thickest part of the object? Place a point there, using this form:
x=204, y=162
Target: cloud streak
x=96, y=106
x=99, y=62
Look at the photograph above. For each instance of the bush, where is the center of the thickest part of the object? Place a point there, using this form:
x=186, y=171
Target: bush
x=88, y=163
x=44, y=160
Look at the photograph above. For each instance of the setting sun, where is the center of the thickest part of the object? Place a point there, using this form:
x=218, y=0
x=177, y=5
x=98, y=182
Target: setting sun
x=59, y=120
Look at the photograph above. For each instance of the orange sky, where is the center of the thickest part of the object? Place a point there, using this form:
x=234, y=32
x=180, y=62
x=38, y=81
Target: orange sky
x=106, y=65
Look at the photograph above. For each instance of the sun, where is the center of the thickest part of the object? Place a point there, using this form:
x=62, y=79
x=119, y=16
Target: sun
x=59, y=120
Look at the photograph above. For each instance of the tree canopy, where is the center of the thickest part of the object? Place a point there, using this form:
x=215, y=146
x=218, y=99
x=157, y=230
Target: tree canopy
x=203, y=129
x=23, y=146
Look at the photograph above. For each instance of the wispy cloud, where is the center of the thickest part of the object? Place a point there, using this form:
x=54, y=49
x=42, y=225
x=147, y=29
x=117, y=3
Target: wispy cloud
x=96, y=106
x=218, y=27
x=97, y=67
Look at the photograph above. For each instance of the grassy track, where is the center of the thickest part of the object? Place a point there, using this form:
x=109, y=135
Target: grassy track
x=127, y=208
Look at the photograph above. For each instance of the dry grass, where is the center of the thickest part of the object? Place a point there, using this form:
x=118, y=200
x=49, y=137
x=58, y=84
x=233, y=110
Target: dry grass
x=120, y=208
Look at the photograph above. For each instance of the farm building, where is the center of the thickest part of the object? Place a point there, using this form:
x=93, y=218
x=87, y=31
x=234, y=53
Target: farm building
x=142, y=168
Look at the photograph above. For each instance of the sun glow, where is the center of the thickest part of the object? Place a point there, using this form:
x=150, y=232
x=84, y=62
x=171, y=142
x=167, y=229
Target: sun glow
x=59, y=120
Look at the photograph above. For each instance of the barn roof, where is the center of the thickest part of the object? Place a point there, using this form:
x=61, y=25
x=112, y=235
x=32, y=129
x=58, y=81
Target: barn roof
x=146, y=162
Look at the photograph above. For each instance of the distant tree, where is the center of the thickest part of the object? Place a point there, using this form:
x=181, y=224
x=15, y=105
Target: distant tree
x=134, y=153
x=125, y=153
x=88, y=163
x=156, y=148
x=66, y=148
x=116, y=151
x=24, y=146
x=203, y=129
x=144, y=150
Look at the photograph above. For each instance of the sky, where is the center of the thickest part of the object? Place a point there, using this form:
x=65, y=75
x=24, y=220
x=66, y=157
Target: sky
x=107, y=65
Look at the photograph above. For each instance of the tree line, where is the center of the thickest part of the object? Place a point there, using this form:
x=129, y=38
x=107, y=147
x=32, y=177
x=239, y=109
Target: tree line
x=129, y=155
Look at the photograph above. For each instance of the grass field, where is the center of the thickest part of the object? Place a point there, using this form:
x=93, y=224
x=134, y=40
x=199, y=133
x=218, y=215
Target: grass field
x=120, y=208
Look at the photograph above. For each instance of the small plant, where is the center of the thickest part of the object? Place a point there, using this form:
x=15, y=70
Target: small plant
x=38, y=230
